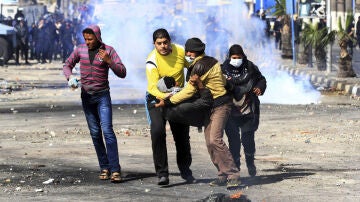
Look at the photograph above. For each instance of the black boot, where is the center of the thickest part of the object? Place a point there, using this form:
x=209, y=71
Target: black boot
x=250, y=165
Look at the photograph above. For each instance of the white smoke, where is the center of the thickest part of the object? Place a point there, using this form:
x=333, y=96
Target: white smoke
x=128, y=27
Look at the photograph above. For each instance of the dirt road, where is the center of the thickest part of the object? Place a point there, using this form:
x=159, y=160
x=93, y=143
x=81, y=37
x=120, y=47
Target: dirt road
x=304, y=152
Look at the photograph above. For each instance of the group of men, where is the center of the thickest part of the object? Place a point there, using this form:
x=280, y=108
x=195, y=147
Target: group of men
x=45, y=40
x=204, y=91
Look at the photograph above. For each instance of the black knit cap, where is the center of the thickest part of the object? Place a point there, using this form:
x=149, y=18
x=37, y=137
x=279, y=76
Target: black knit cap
x=194, y=45
x=236, y=49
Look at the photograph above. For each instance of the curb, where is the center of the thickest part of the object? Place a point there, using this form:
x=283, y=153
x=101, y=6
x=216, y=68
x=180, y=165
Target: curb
x=324, y=81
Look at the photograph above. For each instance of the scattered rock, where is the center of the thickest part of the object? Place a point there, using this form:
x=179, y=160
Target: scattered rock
x=49, y=181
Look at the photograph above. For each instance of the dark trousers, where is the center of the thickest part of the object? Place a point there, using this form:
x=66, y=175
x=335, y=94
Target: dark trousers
x=158, y=137
x=278, y=40
x=24, y=51
x=237, y=135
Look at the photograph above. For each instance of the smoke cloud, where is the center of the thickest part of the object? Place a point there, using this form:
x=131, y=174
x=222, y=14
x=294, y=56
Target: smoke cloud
x=128, y=27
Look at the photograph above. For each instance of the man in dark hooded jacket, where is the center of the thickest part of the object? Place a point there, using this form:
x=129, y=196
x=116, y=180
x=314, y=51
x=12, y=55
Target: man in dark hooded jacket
x=246, y=83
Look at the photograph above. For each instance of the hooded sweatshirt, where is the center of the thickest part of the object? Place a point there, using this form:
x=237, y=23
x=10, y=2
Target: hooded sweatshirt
x=94, y=75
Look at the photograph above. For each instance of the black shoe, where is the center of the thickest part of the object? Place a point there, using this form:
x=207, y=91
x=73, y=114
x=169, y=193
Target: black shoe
x=251, y=170
x=163, y=181
x=190, y=179
x=233, y=183
x=218, y=182
x=250, y=165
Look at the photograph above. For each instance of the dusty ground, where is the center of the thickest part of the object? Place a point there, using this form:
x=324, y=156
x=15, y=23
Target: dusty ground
x=304, y=152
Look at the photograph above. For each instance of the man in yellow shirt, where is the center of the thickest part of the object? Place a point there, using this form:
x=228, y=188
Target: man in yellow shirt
x=166, y=59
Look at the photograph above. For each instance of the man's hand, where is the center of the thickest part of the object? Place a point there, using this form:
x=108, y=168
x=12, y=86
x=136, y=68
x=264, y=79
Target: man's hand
x=168, y=96
x=257, y=91
x=103, y=55
x=73, y=82
x=160, y=104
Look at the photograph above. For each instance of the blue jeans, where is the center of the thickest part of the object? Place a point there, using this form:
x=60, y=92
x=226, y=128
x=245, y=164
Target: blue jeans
x=98, y=113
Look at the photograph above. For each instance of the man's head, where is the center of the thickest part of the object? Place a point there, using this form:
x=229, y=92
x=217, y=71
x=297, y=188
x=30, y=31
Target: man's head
x=166, y=84
x=194, y=47
x=236, y=50
x=162, y=41
x=21, y=20
x=92, y=37
x=295, y=16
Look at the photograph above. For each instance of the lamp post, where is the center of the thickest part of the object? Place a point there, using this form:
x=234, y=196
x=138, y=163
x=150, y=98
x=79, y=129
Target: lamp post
x=290, y=9
x=354, y=7
x=329, y=47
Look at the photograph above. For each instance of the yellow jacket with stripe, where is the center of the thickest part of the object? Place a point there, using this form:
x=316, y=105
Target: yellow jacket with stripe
x=209, y=71
x=158, y=66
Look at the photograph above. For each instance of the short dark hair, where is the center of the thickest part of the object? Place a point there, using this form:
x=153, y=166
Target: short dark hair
x=88, y=31
x=161, y=33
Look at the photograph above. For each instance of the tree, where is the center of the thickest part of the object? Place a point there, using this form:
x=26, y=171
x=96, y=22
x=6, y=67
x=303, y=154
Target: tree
x=345, y=59
x=318, y=39
x=280, y=10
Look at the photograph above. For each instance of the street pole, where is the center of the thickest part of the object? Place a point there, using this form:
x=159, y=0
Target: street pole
x=329, y=47
x=354, y=7
x=293, y=32
x=290, y=10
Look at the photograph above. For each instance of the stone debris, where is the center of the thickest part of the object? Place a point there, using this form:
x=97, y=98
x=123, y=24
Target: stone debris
x=49, y=181
x=125, y=131
x=39, y=190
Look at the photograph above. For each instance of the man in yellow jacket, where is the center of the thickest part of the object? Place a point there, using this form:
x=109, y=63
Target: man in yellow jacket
x=166, y=59
x=209, y=71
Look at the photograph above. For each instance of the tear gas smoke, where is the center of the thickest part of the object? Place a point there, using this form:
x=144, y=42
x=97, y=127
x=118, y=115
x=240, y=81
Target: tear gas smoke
x=128, y=27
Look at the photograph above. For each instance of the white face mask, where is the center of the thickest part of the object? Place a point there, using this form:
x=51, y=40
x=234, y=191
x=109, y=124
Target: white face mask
x=236, y=62
x=189, y=59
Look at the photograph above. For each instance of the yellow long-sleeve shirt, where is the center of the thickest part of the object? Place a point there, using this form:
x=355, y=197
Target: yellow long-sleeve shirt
x=158, y=66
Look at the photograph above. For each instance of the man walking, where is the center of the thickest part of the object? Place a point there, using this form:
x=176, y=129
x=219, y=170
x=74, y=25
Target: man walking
x=96, y=58
x=207, y=70
x=166, y=59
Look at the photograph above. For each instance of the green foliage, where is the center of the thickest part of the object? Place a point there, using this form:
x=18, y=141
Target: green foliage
x=317, y=38
x=349, y=19
x=342, y=34
x=280, y=8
